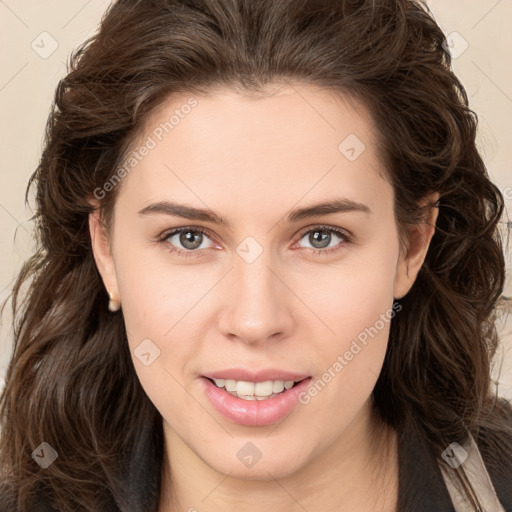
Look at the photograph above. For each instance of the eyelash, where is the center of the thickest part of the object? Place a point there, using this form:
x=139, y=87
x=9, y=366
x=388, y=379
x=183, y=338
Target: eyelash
x=163, y=239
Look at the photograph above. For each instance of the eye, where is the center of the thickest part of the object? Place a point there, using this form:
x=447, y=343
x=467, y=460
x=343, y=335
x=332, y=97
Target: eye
x=190, y=239
x=320, y=237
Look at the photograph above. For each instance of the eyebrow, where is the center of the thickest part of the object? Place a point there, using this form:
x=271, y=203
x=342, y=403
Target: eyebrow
x=205, y=215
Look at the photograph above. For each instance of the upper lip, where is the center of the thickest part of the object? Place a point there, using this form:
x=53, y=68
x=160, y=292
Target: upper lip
x=255, y=376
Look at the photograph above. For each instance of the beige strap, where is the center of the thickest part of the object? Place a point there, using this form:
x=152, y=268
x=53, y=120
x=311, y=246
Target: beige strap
x=464, y=471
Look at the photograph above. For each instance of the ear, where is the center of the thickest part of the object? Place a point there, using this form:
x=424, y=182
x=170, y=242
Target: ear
x=413, y=255
x=102, y=252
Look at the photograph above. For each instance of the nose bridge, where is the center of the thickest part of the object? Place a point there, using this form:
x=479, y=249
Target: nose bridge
x=256, y=306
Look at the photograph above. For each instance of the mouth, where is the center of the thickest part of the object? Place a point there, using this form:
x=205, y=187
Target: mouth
x=254, y=403
x=247, y=390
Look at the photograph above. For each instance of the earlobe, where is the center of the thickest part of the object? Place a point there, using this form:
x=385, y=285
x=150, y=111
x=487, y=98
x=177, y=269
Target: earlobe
x=102, y=253
x=412, y=257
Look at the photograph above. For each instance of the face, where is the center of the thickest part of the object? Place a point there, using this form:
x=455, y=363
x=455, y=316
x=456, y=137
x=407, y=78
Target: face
x=267, y=284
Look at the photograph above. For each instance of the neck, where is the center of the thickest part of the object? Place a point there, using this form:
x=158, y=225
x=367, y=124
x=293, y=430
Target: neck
x=358, y=472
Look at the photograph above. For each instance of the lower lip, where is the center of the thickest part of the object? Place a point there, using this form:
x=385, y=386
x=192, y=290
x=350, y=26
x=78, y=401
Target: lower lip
x=254, y=413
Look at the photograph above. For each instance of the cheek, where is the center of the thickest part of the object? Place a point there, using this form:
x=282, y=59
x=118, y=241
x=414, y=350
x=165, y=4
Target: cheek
x=162, y=338
x=160, y=305
x=156, y=294
x=352, y=294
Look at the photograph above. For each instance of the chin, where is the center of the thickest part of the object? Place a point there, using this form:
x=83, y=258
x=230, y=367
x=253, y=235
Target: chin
x=272, y=464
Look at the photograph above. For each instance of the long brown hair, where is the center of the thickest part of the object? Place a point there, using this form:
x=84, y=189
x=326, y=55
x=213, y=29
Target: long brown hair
x=71, y=382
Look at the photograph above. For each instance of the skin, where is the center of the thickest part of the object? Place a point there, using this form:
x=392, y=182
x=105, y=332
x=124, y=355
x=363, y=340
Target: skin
x=252, y=160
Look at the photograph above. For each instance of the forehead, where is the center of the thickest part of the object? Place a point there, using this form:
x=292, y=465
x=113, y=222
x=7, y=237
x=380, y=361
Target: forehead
x=293, y=142
x=282, y=114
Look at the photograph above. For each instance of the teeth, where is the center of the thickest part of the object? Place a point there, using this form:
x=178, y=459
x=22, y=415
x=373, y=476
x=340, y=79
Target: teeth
x=230, y=385
x=245, y=388
x=265, y=388
x=254, y=390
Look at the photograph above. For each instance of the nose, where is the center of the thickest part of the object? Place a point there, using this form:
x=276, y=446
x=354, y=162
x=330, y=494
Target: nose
x=257, y=303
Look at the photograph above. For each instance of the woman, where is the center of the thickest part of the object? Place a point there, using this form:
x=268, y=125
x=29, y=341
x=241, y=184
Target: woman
x=267, y=274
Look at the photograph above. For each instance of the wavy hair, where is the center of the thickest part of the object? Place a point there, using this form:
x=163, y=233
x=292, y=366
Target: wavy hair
x=71, y=380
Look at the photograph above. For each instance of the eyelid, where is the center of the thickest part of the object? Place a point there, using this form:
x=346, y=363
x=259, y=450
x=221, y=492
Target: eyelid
x=168, y=232
x=347, y=235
